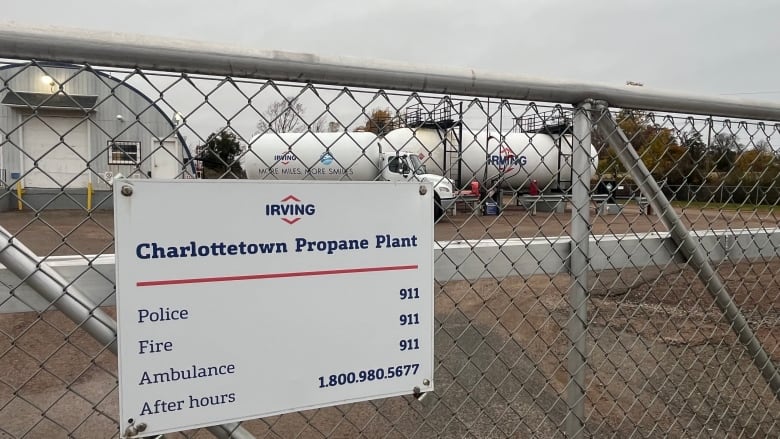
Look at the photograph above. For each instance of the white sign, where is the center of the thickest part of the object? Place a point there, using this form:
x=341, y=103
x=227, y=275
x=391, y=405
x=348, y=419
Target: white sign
x=245, y=299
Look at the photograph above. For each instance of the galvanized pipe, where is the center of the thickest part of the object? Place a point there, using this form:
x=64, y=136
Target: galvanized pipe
x=579, y=257
x=231, y=430
x=110, y=49
x=23, y=263
x=689, y=247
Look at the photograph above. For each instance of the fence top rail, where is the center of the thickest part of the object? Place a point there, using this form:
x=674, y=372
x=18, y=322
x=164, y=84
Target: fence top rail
x=46, y=43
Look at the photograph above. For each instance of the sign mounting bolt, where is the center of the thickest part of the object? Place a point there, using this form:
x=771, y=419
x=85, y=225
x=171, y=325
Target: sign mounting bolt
x=127, y=190
x=423, y=190
x=133, y=429
x=426, y=382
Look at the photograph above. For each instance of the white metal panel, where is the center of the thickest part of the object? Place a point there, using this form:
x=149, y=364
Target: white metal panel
x=56, y=150
x=293, y=277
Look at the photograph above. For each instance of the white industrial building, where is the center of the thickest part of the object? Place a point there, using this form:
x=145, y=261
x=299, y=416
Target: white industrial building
x=67, y=131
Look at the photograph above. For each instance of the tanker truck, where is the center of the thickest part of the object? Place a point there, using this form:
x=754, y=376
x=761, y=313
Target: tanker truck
x=345, y=156
x=510, y=161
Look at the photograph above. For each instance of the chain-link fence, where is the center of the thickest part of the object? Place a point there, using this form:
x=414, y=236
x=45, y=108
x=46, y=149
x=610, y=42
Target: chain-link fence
x=605, y=265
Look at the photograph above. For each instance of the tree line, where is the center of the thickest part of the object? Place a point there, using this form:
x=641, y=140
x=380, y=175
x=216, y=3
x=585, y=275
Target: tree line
x=692, y=157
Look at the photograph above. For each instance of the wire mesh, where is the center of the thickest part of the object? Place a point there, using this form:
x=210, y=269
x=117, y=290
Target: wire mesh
x=661, y=359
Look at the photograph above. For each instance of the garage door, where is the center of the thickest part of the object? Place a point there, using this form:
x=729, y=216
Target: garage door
x=60, y=162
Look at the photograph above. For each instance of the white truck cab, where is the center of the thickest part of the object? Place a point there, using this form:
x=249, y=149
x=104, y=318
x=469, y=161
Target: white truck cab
x=403, y=166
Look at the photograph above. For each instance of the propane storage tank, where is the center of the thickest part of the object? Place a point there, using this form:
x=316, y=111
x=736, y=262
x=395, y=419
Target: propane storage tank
x=514, y=161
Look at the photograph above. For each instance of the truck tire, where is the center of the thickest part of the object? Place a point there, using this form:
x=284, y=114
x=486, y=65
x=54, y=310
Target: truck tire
x=438, y=211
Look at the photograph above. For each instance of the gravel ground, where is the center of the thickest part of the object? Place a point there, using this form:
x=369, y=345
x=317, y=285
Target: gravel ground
x=661, y=360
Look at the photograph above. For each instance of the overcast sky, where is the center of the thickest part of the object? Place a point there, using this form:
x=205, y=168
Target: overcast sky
x=712, y=47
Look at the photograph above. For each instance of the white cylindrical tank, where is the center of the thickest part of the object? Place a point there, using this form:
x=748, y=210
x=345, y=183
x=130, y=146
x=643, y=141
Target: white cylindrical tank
x=315, y=156
x=514, y=161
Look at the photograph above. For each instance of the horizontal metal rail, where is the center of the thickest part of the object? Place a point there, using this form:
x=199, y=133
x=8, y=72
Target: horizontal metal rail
x=457, y=260
x=135, y=51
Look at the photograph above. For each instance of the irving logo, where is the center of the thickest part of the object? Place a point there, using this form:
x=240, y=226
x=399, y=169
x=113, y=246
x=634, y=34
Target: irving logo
x=506, y=160
x=285, y=158
x=291, y=209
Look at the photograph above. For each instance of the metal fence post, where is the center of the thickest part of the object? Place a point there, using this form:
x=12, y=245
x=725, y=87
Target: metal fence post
x=21, y=261
x=689, y=247
x=578, y=267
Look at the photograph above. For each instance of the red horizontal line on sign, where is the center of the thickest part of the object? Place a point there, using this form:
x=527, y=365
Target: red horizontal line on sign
x=200, y=280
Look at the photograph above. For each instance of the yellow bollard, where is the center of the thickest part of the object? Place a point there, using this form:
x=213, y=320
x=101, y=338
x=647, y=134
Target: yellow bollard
x=89, y=196
x=19, y=191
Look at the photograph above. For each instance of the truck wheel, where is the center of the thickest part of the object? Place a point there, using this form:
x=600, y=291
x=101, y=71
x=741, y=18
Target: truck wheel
x=438, y=211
